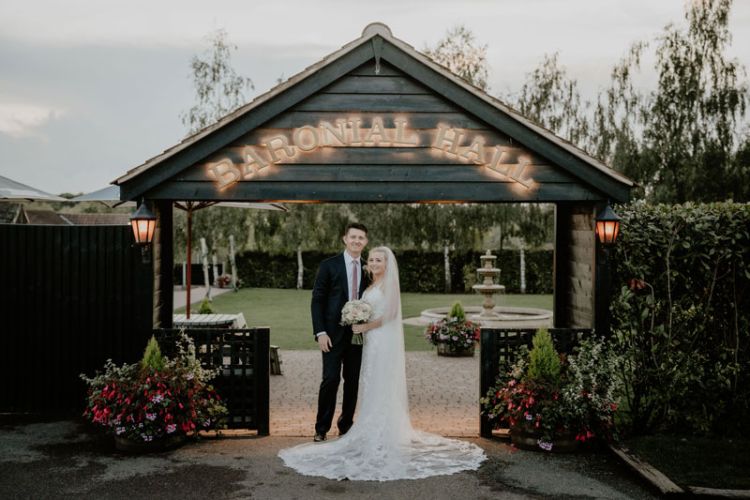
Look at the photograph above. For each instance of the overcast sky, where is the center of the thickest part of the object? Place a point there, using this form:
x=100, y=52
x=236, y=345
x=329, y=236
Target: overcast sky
x=89, y=89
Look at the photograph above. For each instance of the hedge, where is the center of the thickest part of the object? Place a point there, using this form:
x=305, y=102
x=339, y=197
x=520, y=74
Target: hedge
x=419, y=271
x=681, y=316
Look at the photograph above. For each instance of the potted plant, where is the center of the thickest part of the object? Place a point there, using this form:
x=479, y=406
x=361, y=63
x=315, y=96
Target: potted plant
x=156, y=403
x=453, y=335
x=552, y=402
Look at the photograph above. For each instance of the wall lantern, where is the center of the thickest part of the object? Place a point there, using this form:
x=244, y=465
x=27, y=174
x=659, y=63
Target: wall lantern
x=607, y=226
x=143, y=223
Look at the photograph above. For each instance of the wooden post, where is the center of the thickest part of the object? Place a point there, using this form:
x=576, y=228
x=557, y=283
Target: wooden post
x=262, y=376
x=204, y=262
x=489, y=362
x=561, y=266
x=603, y=292
x=163, y=263
x=189, y=282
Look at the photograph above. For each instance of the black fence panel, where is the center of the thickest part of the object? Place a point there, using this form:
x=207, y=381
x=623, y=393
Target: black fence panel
x=498, y=349
x=242, y=357
x=70, y=298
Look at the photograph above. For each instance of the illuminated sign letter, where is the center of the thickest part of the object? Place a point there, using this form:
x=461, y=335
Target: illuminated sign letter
x=253, y=163
x=283, y=145
x=496, y=164
x=224, y=172
x=312, y=135
x=401, y=140
x=354, y=123
x=517, y=174
x=339, y=132
x=476, y=150
x=448, y=139
x=376, y=135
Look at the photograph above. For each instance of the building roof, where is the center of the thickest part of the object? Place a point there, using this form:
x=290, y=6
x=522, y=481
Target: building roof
x=377, y=37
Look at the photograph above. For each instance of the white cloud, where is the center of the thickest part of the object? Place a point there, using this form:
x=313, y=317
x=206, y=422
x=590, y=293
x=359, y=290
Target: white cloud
x=23, y=120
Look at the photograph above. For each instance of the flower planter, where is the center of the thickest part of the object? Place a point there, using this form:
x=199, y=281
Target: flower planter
x=526, y=437
x=444, y=349
x=155, y=446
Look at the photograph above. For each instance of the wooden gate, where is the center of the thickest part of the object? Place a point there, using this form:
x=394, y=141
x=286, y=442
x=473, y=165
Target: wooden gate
x=499, y=347
x=70, y=298
x=242, y=357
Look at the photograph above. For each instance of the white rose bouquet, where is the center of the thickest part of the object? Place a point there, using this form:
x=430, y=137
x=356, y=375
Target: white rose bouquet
x=356, y=312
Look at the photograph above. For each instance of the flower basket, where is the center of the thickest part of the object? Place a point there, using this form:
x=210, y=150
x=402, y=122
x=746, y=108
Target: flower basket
x=454, y=335
x=555, y=403
x=155, y=404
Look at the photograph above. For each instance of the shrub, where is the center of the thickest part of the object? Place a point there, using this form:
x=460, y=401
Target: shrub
x=681, y=316
x=544, y=362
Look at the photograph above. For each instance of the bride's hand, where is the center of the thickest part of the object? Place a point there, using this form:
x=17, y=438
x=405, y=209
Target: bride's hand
x=360, y=328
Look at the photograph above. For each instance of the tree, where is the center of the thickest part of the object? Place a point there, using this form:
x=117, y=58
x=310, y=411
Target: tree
x=553, y=100
x=458, y=52
x=219, y=90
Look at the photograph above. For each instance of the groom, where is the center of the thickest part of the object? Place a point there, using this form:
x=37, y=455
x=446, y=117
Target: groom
x=339, y=280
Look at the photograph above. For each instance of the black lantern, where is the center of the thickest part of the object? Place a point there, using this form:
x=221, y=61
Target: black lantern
x=143, y=223
x=607, y=226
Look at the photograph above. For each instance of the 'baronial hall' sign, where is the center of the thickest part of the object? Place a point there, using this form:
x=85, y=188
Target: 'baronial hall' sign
x=454, y=143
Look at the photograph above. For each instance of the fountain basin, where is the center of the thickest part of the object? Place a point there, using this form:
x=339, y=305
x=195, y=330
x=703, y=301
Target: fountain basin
x=506, y=317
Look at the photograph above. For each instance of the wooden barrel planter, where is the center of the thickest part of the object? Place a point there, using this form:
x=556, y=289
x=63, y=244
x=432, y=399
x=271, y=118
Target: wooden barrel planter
x=444, y=349
x=158, y=445
x=525, y=436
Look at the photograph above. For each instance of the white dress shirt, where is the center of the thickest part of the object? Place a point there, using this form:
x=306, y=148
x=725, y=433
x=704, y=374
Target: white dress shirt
x=348, y=259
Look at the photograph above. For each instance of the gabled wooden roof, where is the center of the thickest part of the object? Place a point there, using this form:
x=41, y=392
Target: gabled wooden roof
x=379, y=44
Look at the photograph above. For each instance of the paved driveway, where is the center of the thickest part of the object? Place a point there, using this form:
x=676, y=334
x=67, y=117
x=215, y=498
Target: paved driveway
x=443, y=393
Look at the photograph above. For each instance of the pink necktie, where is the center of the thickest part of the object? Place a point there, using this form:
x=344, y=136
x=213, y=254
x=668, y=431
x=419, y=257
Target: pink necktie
x=355, y=285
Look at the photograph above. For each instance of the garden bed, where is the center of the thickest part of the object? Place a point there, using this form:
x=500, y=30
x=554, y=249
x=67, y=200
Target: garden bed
x=697, y=462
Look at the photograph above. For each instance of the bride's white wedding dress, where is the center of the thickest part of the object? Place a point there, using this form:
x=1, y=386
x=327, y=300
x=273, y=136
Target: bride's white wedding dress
x=382, y=445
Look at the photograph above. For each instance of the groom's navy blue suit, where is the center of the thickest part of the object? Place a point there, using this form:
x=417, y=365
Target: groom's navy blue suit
x=330, y=293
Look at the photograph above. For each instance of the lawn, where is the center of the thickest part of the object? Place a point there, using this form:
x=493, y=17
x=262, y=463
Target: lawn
x=695, y=461
x=287, y=312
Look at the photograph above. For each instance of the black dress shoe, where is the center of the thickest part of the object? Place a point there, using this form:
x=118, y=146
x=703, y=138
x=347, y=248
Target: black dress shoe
x=343, y=431
x=319, y=437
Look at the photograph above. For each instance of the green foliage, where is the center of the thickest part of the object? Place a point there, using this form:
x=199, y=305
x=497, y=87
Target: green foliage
x=544, y=362
x=457, y=311
x=580, y=399
x=219, y=90
x=205, y=307
x=458, y=52
x=419, y=271
x=682, y=140
x=681, y=316
x=152, y=358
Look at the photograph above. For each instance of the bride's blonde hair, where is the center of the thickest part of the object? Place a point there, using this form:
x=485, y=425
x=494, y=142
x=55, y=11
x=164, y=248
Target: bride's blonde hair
x=390, y=286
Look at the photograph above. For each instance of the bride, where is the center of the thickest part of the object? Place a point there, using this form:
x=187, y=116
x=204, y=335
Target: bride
x=382, y=445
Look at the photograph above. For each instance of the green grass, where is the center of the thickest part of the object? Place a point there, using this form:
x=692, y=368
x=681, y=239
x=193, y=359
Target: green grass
x=693, y=461
x=287, y=312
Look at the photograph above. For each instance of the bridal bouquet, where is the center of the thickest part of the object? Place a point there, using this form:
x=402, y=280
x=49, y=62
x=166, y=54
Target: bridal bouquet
x=356, y=312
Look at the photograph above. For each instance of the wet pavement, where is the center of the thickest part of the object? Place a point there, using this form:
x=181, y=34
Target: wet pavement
x=67, y=459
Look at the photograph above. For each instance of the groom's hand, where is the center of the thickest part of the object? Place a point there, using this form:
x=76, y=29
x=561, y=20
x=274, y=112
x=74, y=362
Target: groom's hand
x=324, y=341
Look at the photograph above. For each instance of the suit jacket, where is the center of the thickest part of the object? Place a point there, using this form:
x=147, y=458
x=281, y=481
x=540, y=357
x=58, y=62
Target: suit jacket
x=330, y=293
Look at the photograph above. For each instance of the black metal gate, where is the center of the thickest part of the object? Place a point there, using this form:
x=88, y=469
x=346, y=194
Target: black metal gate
x=242, y=357
x=499, y=345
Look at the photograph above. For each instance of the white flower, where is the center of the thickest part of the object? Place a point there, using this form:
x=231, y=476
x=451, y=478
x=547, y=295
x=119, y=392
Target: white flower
x=356, y=311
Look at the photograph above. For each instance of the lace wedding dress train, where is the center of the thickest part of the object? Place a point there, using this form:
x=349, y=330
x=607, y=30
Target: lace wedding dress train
x=382, y=445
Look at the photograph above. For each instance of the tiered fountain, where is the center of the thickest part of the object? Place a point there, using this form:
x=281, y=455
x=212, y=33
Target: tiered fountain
x=490, y=315
x=488, y=287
